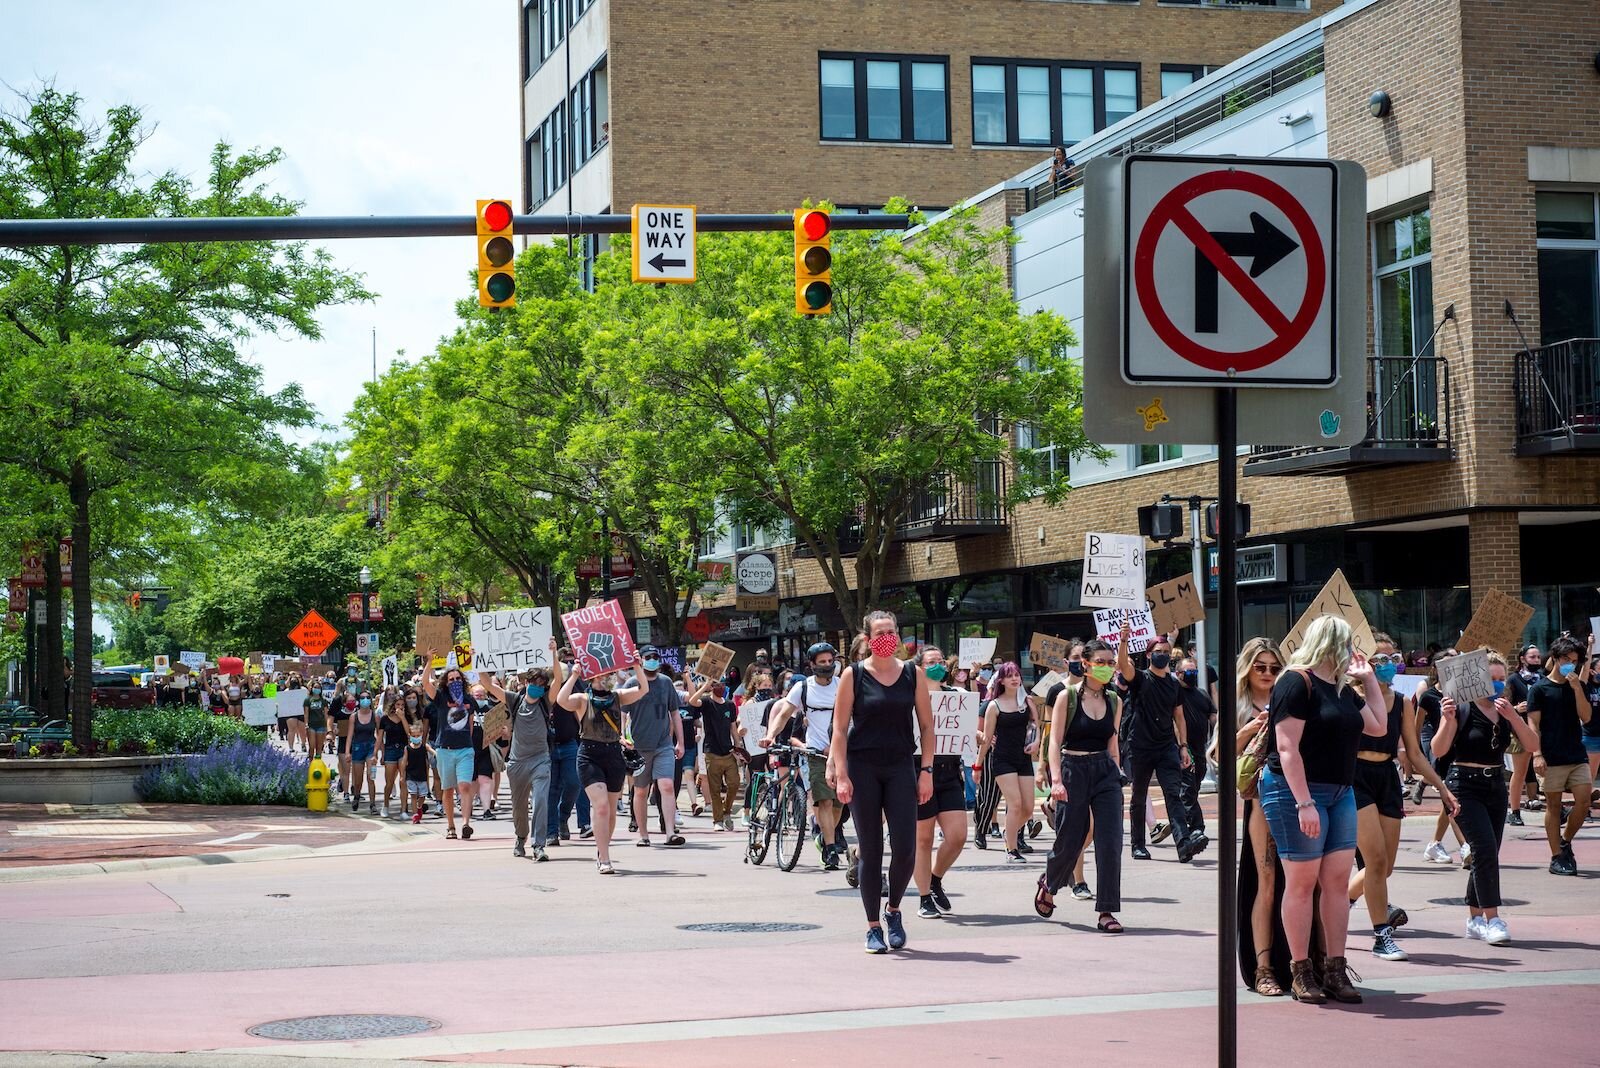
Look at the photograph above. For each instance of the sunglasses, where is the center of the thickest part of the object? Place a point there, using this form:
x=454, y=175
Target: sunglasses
x=1266, y=669
x=1381, y=659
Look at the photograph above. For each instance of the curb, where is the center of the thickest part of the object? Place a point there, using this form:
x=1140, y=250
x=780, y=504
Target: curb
x=41, y=872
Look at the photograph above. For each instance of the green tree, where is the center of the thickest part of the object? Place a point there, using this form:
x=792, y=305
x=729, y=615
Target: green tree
x=840, y=426
x=128, y=391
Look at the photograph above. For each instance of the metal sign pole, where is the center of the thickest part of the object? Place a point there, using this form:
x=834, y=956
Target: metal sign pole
x=1227, y=705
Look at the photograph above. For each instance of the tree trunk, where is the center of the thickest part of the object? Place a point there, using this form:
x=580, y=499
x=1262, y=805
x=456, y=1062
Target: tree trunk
x=53, y=679
x=82, y=610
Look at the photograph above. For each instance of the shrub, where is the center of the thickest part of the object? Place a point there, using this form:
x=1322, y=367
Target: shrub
x=236, y=772
x=170, y=730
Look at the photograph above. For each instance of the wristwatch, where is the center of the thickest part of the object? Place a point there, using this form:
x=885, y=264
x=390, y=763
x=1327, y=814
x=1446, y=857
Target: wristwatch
x=928, y=770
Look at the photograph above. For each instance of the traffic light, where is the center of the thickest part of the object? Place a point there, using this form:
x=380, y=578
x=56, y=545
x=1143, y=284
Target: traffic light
x=497, y=284
x=813, y=262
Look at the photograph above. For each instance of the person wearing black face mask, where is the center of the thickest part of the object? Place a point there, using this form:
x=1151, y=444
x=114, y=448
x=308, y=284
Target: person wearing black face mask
x=1524, y=787
x=1157, y=746
x=1200, y=716
x=453, y=707
x=813, y=697
x=600, y=765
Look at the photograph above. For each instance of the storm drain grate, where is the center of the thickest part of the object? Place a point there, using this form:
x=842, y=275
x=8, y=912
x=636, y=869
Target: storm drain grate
x=748, y=928
x=336, y=1028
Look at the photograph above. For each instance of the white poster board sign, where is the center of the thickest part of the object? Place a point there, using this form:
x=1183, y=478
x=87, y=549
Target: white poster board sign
x=975, y=651
x=1465, y=677
x=1141, y=627
x=194, y=660
x=261, y=711
x=291, y=703
x=1409, y=685
x=750, y=714
x=512, y=640
x=269, y=663
x=1042, y=687
x=163, y=665
x=1113, y=571
x=955, y=723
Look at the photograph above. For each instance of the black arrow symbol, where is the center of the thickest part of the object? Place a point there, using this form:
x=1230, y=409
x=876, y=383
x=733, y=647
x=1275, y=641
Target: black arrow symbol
x=1264, y=243
x=660, y=262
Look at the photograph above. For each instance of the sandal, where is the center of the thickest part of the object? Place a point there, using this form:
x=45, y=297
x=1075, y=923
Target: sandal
x=643, y=843
x=466, y=832
x=1043, y=900
x=676, y=840
x=1109, y=924
x=451, y=833
x=1266, y=983
x=604, y=867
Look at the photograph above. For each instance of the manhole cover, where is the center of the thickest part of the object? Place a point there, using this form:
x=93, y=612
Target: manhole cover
x=748, y=928
x=334, y=1028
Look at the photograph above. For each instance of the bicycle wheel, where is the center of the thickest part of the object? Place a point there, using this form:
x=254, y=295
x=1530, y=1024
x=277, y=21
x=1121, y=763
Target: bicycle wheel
x=761, y=824
x=793, y=823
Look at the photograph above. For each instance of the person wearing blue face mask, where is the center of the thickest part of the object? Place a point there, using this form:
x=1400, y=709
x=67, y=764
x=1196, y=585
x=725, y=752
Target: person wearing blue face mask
x=361, y=738
x=528, y=764
x=1558, y=707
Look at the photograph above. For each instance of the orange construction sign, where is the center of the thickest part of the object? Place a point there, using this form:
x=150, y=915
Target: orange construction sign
x=313, y=634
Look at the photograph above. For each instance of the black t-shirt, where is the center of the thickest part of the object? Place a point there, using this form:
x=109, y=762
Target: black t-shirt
x=1198, y=714
x=394, y=731
x=451, y=737
x=1151, y=699
x=690, y=716
x=717, y=718
x=565, y=724
x=417, y=763
x=1560, y=730
x=1333, y=726
x=1592, y=728
x=1517, y=686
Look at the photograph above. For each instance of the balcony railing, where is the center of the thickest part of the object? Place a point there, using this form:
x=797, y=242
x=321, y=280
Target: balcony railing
x=1281, y=5
x=950, y=508
x=1558, y=398
x=1409, y=420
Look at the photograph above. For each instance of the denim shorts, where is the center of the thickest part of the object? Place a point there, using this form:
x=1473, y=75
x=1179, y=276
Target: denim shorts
x=455, y=767
x=1591, y=743
x=1336, y=811
x=361, y=752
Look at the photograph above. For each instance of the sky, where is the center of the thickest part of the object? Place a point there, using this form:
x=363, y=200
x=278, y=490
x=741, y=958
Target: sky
x=405, y=107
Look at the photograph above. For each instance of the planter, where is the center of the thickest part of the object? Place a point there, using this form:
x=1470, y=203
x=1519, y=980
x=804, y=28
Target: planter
x=73, y=780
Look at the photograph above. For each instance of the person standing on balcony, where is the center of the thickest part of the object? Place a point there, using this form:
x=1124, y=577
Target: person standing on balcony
x=1060, y=170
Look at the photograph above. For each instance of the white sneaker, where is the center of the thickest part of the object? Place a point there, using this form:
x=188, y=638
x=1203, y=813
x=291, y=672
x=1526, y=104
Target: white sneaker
x=1478, y=928
x=1466, y=855
x=677, y=820
x=1436, y=854
x=1495, y=932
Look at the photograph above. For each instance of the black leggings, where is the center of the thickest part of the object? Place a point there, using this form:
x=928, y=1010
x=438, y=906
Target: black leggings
x=1482, y=820
x=884, y=794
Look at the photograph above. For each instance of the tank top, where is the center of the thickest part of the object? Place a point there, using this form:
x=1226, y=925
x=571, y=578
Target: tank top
x=880, y=721
x=1011, y=733
x=1085, y=734
x=1479, y=741
x=601, y=724
x=1389, y=744
x=366, y=730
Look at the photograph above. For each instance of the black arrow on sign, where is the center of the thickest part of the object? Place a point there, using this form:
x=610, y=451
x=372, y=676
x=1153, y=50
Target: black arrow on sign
x=1263, y=242
x=660, y=263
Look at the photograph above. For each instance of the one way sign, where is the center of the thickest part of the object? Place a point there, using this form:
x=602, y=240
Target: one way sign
x=663, y=243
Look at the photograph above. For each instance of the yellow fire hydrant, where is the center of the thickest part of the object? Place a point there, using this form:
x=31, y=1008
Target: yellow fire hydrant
x=317, y=786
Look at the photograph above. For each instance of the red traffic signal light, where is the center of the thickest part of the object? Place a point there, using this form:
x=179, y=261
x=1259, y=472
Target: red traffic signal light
x=813, y=263
x=814, y=225
x=497, y=285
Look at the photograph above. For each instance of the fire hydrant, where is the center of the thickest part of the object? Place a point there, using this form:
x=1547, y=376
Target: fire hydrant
x=317, y=786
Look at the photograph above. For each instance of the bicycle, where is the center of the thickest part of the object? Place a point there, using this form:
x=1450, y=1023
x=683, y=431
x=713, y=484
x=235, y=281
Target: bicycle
x=780, y=815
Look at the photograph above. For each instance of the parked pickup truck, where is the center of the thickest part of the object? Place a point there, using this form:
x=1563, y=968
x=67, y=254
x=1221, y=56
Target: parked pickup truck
x=118, y=689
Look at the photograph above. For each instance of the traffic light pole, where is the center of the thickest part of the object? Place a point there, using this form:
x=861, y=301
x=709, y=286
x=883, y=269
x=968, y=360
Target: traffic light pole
x=27, y=233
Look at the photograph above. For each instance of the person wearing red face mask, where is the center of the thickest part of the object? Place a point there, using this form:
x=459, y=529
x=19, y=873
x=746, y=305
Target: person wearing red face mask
x=874, y=772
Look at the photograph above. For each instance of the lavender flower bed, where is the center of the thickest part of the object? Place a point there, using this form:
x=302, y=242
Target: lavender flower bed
x=238, y=772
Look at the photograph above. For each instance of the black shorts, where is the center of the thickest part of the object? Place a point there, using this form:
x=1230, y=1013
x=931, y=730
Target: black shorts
x=1379, y=784
x=601, y=762
x=949, y=791
x=1011, y=764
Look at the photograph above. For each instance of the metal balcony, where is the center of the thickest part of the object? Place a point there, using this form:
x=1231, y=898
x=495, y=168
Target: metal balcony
x=1558, y=398
x=1408, y=422
x=959, y=507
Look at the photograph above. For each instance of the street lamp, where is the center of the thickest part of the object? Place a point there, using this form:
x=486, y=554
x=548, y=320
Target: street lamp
x=366, y=599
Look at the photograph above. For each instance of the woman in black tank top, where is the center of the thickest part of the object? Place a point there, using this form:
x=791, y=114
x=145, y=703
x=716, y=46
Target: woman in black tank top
x=875, y=772
x=1476, y=739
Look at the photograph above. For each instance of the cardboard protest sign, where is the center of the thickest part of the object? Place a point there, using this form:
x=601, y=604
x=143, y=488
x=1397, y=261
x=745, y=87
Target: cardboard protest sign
x=1175, y=604
x=1409, y=685
x=193, y=660
x=261, y=711
x=955, y=723
x=600, y=639
x=975, y=651
x=1042, y=687
x=252, y=663
x=516, y=639
x=1465, y=677
x=1336, y=598
x=750, y=714
x=433, y=632
x=1113, y=571
x=291, y=666
x=672, y=657
x=163, y=665
x=1141, y=628
x=495, y=720
x=1497, y=624
x=714, y=661
x=1046, y=651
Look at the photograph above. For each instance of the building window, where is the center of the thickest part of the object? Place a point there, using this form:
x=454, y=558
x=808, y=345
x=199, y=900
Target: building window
x=1569, y=266
x=547, y=145
x=530, y=39
x=1176, y=77
x=1155, y=454
x=532, y=180
x=1047, y=459
x=1404, y=401
x=578, y=9
x=884, y=98
x=552, y=26
x=1018, y=102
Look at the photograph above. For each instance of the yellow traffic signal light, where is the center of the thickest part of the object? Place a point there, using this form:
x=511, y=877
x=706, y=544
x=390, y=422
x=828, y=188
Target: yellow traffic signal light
x=813, y=262
x=497, y=283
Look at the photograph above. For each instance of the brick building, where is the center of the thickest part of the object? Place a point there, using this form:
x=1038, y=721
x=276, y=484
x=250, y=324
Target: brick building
x=1481, y=466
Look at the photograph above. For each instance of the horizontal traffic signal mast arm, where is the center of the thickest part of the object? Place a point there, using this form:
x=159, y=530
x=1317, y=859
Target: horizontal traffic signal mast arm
x=25, y=233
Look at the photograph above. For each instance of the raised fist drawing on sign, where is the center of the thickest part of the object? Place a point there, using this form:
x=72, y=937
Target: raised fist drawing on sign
x=602, y=648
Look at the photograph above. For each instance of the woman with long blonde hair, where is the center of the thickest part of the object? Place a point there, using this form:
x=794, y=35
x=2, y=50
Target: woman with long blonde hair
x=1263, y=953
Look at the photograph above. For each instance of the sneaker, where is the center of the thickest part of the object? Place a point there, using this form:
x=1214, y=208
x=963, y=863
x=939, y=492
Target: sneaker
x=897, y=929
x=1015, y=857
x=1192, y=847
x=1035, y=828
x=1495, y=932
x=927, y=909
x=416, y=817
x=1082, y=892
x=717, y=827
x=1416, y=791
x=727, y=823
x=1398, y=917
x=540, y=855
x=1563, y=864
x=677, y=821
x=875, y=942
x=1515, y=818
x=940, y=899
x=1141, y=853
x=830, y=858
x=1160, y=833
x=1384, y=947
x=1478, y=927
x=585, y=832
x=519, y=850
x=1466, y=855
x=1436, y=854
x=1022, y=845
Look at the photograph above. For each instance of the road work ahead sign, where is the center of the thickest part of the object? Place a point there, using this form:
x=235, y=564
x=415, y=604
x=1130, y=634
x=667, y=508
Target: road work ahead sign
x=663, y=243
x=1230, y=275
